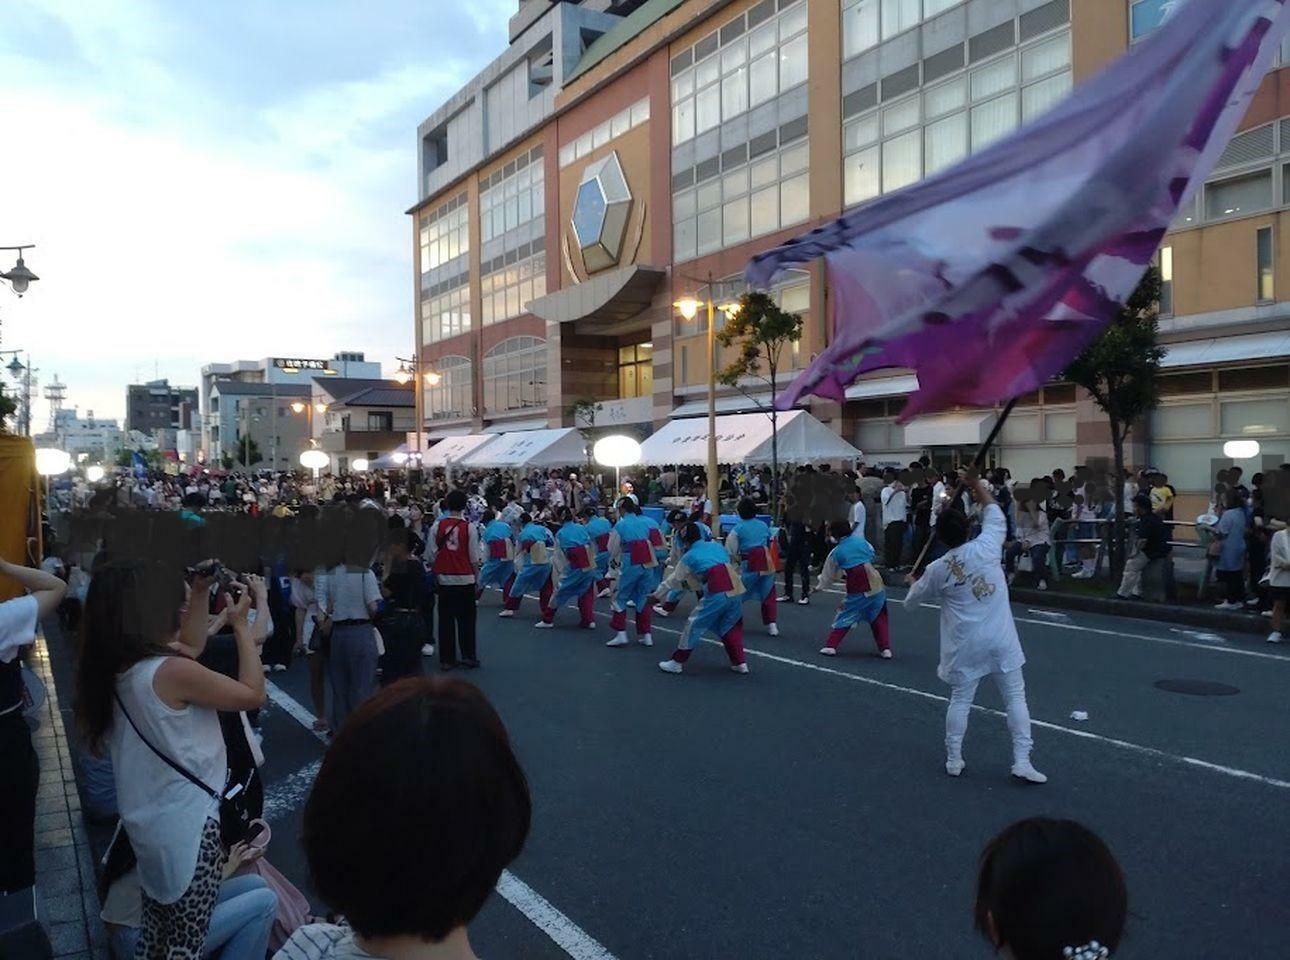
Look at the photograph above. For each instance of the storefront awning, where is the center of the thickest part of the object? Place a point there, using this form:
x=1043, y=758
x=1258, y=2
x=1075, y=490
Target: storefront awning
x=454, y=449
x=530, y=448
x=949, y=430
x=515, y=426
x=883, y=387
x=1250, y=346
x=746, y=438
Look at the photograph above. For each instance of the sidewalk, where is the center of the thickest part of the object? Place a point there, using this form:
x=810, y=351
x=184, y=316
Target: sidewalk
x=67, y=904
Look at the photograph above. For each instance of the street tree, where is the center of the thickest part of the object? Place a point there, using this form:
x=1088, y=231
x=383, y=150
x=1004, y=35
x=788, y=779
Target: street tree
x=1119, y=370
x=248, y=452
x=761, y=330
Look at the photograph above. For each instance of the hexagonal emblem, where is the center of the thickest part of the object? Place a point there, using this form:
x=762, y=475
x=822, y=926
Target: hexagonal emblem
x=600, y=213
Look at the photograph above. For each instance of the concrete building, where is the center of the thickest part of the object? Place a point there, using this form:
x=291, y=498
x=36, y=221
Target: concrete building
x=614, y=157
x=160, y=410
x=260, y=414
x=360, y=418
x=97, y=439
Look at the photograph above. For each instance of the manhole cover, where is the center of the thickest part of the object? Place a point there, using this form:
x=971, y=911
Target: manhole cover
x=1198, y=688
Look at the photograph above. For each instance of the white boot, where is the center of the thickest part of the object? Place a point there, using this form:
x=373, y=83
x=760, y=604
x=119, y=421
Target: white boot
x=645, y=640
x=1024, y=770
x=772, y=629
x=619, y=640
x=1274, y=636
x=954, y=766
x=669, y=666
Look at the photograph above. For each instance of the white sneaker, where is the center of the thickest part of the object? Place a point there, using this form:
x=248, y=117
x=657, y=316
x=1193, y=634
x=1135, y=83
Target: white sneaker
x=1227, y=606
x=954, y=767
x=784, y=599
x=1024, y=771
x=772, y=629
x=886, y=654
x=739, y=667
x=660, y=610
x=590, y=626
x=543, y=625
x=603, y=594
x=669, y=666
x=427, y=650
x=645, y=640
x=619, y=640
x=279, y=667
x=828, y=651
x=266, y=668
x=1043, y=584
x=1274, y=636
x=803, y=601
x=507, y=613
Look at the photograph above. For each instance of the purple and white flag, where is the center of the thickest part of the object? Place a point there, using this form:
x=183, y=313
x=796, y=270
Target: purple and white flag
x=989, y=278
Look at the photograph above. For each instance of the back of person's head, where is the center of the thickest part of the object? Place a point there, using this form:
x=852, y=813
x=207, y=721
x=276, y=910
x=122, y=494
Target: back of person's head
x=746, y=509
x=586, y=513
x=131, y=612
x=526, y=518
x=1048, y=885
x=677, y=516
x=1143, y=501
x=455, y=501
x=564, y=515
x=628, y=505
x=839, y=529
x=488, y=516
x=952, y=527
x=418, y=807
x=691, y=534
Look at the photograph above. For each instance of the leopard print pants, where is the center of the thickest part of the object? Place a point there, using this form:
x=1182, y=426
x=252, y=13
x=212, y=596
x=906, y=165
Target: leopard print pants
x=177, y=931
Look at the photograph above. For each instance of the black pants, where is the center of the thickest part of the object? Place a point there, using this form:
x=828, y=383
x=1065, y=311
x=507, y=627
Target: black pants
x=893, y=538
x=403, y=632
x=19, y=777
x=1234, y=580
x=799, y=561
x=456, y=622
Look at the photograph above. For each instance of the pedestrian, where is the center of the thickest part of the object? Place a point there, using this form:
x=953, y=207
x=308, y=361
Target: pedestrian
x=419, y=806
x=852, y=561
x=1279, y=577
x=599, y=528
x=498, y=569
x=677, y=520
x=403, y=618
x=630, y=546
x=978, y=635
x=1050, y=889
x=141, y=694
x=454, y=555
x=573, y=549
x=348, y=597
x=797, y=559
x=749, y=544
x=894, y=510
x=19, y=618
x=1151, y=542
x=1229, y=567
x=706, y=563
x=533, y=556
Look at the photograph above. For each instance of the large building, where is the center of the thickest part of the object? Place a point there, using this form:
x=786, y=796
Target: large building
x=616, y=156
x=91, y=439
x=158, y=410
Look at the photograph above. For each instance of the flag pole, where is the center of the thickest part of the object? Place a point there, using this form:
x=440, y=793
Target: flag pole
x=977, y=462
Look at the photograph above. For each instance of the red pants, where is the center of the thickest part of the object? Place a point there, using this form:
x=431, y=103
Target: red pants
x=586, y=607
x=770, y=608
x=506, y=589
x=881, y=633
x=544, y=599
x=733, y=641
x=619, y=620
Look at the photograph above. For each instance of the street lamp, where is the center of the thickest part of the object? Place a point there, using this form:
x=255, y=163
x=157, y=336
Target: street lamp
x=617, y=451
x=94, y=473
x=314, y=460
x=688, y=306
x=19, y=277
x=22, y=373
x=359, y=465
x=51, y=462
x=410, y=371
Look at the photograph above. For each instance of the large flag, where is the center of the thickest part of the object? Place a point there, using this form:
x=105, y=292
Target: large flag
x=989, y=278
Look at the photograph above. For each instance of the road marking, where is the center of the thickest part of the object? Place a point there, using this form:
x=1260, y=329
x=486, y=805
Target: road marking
x=1200, y=635
x=1138, y=748
x=1050, y=615
x=290, y=792
x=566, y=934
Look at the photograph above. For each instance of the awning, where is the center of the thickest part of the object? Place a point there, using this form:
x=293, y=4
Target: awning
x=1250, y=346
x=603, y=300
x=440, y=433
x=514, y=426
x=882, y=387
x=531, y=448
x=453, y=449
x=949, y=430
x=735, y=404
x=746, y=438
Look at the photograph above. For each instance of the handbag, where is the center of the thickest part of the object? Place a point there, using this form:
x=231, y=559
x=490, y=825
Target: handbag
x=320, y=639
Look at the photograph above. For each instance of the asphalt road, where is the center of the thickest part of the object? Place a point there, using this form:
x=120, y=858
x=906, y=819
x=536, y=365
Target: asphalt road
x=803, y=810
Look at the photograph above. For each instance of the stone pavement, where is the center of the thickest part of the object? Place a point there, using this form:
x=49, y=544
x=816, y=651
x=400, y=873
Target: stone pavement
x=66, y=901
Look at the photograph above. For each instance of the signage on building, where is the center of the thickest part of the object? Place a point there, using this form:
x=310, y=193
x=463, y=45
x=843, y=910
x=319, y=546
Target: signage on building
x=286, y=363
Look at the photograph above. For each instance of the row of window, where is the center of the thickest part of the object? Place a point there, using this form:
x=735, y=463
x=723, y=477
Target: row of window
x=445, y=233
x=601, y=134
x=509, y=288
x=452, y=398
x=446, y=314
x=512, y=196
x=899, y=143
x=792, y=293
x=515, y=375
x=737, y=68
x=1265, y=290
x=866, y=23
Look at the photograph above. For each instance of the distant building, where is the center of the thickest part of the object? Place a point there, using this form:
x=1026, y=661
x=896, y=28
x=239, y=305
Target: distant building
x=97, y=438
x=159, y=410
x=256, y=415
x=361, y=419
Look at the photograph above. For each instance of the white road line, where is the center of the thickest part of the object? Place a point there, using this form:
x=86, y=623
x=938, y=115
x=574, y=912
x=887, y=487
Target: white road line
x=566, y=934
x=1044, y=724
x=290, y=792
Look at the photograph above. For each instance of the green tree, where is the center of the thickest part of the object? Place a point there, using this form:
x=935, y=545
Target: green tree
x=1119, y=370
x=761, y=330
x=582, y=412
x=248, y=452
x=8, y=407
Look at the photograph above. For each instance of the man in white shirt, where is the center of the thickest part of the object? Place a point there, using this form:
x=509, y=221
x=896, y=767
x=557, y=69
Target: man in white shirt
x=858, y=515
x=978, y=635
x=895, y=503
x=19, y=768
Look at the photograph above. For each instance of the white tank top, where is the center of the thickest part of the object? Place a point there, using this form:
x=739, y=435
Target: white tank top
x=163, y=812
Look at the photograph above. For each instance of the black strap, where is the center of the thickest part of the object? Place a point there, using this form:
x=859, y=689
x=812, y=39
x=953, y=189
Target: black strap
x=170, y=763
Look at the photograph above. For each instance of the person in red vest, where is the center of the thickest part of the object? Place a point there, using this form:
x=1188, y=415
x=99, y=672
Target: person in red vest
x=454, y=555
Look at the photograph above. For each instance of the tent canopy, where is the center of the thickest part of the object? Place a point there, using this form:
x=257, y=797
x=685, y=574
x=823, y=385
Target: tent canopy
x=746, y=438
x=386, y=461
x=453, y=449
x=561, y=447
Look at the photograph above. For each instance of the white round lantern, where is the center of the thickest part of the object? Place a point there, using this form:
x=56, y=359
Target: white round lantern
x=617, y=451
x=1241, y=449
x=359, y=465
x=94, y=473
x=314, y=459
x=399, y=457
x=50, y=462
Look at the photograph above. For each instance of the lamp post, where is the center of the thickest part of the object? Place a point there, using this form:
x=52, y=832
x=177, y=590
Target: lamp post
x=617, y=451
x=22, y=374
x=689, y=308
x=410, y=370
x=20, y=278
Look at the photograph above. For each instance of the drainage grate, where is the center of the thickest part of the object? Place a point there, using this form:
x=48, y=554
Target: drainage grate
x=1197, y=688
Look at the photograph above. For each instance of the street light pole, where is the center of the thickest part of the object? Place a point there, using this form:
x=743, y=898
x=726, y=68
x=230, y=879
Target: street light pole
x=714, y=484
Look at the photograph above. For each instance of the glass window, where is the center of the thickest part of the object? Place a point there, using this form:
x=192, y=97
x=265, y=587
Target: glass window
x=682, y=84
x=1047, y=57
x=1263, y=249
x=515, y=374
x=902, y=161
x=707, y=109
x=932, y=7
x=1183, y=420
x=862, y=176
x=706, y=72
x=1253, y=418
x=792, y=63
x=762, y=39
x=1246, y=194
x=994, y=77
x=794, y=200
x=859, y=27
x=709, y=233
x=1040, y=97
x=945, y=142
x=734, y=93
x=945, y=98
x=861, y=133
x=1146, y=15
x=794, y=158
x=734, y=183
x=993, y=120
x=763, y=79
x=1167, y=280
x=683, y=239
x=683, y=121
x=764, y=171
x=735, y=222
x=765, y=211
x=898, y=16
x=900, y=116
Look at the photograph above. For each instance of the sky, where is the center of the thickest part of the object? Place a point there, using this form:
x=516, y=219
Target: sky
x=217, y=181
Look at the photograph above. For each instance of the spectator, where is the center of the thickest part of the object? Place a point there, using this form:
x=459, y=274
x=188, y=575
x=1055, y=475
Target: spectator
x=797, y=558
x=895, y=503
x=1032, y=540
x=1279, y=578
x=1230, y=565
x=1162, y=496
x=440, y=787
x=1151, y=542
x=1049, y=889
x=348, y=597
x=403, y=620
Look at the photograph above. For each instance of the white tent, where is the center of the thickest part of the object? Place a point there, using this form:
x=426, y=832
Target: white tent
x=746, y=438
x=530, y=448
x=452, y=450
x=387, y=460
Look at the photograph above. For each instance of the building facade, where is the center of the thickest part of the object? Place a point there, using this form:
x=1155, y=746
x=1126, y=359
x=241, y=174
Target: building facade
x=160, y=410
x=614, y=159
x=88, y=439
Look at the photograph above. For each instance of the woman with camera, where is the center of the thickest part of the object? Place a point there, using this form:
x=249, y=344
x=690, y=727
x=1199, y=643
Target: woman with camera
x=143, y=695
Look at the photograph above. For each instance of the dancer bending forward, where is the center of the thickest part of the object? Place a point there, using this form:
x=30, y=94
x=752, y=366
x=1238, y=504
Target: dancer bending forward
x=749, y=543
x=978, y=636
x=852, y=561
x=577, y=571
x=706, y=564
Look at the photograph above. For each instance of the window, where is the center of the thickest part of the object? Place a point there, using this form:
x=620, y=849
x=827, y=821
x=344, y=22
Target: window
x=382, y=420
x=451, y=397
x=515, y=375
x=510, y=282
x=859, y=26
x=735, y=69
x=1263, y=245
x=445, y=309
x=898, y=16
x=1167, y=280
x=1239, y=195
x=611, y=129
x=793, y=294
x=445, y=234
x=1146, y=15
x=512, y=196
x=636, y=370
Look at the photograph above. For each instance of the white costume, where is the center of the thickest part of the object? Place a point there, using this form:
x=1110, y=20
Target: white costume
x=978, y=637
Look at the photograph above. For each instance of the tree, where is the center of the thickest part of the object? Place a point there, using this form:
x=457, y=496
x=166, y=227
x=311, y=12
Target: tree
x=1119, y=371
x=762, y=330
x=583, y=412
x=248, y=452
x=8, y=407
